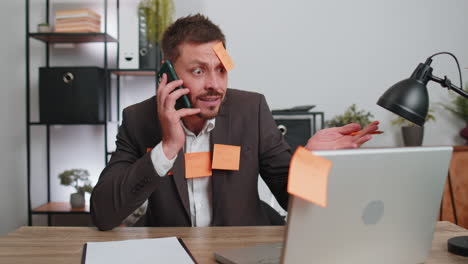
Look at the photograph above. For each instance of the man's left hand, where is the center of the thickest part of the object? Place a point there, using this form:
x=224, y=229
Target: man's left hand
x=341, y=138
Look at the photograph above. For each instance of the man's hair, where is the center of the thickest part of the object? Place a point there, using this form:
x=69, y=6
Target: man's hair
x=190, y=29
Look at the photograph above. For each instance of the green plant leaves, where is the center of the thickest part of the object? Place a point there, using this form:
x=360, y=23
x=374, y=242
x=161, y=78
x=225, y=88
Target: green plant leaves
x=78, y=178
x=351, y=115
x=158, y=14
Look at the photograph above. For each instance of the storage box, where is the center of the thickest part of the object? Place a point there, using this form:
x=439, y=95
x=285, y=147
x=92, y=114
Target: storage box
x=298, y=127
x=72, y=95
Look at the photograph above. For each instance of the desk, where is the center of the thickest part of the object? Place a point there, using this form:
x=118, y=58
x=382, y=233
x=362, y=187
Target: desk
x=64, y=244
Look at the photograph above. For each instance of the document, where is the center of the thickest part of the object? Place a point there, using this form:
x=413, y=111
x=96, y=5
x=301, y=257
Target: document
x=153, y=250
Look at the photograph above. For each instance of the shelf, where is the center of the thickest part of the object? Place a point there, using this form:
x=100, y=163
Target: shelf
x=65, y=124
x=59, y=208
x=134, y=72
x=72, y=37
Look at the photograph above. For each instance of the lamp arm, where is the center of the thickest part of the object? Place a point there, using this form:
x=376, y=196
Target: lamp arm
x=448, y=84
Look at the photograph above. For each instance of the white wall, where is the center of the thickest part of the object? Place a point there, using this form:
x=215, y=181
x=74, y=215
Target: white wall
x=335, y=53
x=327, y=53
x=13, y=202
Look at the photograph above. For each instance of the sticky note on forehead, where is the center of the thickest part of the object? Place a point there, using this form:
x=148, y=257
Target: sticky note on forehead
x=223, y=56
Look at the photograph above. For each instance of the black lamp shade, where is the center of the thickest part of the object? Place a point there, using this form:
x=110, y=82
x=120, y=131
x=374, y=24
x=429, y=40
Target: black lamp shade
x=408, y=99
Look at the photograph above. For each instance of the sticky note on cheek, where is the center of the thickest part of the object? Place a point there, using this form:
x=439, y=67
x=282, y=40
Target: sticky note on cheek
x=308, y=176
x=223, y=56
x=197, y=164
x=226, y=157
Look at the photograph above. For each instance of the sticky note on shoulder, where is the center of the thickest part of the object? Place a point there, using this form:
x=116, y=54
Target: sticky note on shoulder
x=308, y=176
x=223, y=56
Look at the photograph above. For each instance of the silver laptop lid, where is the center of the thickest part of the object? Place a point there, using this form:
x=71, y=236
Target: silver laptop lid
x=382, y=208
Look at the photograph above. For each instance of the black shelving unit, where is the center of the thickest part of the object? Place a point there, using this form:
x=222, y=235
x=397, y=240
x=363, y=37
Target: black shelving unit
x=51, y=38
x=129, y=72
x=52, y=208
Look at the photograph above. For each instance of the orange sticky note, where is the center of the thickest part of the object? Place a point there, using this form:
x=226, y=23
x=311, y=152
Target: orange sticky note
x=226, y=157
x=308, y=176
x=197, y=164
x=223, y=56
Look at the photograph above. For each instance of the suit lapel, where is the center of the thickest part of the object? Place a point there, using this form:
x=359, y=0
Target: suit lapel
x=219, y=135
x=181, y=183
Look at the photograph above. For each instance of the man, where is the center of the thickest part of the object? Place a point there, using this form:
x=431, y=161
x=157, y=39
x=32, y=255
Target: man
x=218, y=116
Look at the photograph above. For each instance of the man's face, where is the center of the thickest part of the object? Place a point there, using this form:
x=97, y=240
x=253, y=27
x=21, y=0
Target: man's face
x=205, y=76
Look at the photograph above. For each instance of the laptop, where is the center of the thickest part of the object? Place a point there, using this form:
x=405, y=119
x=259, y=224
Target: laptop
x=382, y=208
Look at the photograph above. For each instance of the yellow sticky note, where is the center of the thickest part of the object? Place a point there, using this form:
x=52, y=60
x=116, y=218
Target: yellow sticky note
x=223, y=56
x=308, y=176
x=197, y=164
x=226, y=157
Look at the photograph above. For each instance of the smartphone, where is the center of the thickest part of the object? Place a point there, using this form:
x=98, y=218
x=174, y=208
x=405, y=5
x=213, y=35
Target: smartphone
x=168, y=69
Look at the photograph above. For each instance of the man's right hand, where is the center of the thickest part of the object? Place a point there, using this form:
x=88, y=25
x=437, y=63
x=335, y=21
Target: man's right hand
x=173, y=136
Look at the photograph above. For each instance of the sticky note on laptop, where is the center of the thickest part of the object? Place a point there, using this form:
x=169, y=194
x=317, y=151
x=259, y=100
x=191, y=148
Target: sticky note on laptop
x=308, y=176
x=223, y=56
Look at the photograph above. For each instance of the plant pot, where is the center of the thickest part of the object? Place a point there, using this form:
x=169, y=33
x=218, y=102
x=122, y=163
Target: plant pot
x=412, y=135
x=77, y=200
x=464, y=134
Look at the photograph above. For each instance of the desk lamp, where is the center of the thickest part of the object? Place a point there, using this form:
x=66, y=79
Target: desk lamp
x=409, y=99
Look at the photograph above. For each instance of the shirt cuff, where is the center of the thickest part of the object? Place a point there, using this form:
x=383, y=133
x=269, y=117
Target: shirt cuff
x=160, y=162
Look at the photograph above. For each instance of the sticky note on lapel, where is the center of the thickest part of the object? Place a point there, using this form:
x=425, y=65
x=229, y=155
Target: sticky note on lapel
x=197, y=164
x=308, y=176
x=226, y=157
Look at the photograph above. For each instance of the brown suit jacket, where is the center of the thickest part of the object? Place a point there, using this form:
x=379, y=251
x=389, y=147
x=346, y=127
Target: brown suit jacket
x=130, y=178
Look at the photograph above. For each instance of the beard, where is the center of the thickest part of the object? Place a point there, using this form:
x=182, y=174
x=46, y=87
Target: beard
x=211, y=111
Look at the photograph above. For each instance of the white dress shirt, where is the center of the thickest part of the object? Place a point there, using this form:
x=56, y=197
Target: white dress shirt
x=199, y=189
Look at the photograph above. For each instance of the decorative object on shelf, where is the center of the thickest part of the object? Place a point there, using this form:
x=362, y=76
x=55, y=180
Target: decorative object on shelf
x=351, y=115
x=72, y=95
x=413, y=134
x=459, y=108
x=158, y=14
x=43, y=28
x=154, y=16
x=78, y=20
x=78, y=178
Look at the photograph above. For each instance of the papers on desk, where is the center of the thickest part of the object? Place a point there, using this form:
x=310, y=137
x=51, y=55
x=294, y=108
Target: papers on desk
x=155, y=250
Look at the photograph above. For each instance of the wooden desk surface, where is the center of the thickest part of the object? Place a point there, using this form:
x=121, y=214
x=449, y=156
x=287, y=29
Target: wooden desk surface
x=64, y=244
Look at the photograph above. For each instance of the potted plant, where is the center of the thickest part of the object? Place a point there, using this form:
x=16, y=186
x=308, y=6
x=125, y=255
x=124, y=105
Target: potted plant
x=351, y=115
x=459, y=108
x=158, y=16
x=78, y=178
x=413, y=134
x=43, y=27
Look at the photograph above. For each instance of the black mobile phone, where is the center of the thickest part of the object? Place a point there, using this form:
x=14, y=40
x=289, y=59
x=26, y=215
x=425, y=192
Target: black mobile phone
x=168, y=69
